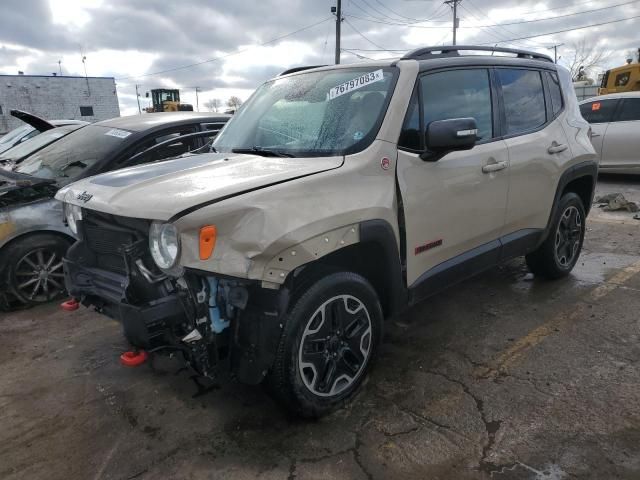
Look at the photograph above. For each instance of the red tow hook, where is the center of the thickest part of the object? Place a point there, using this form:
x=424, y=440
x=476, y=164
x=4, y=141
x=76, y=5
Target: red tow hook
x=133, y=359
x=70, y=305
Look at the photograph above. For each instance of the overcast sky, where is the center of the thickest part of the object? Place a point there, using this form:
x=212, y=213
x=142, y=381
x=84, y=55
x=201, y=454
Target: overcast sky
x=131, y=40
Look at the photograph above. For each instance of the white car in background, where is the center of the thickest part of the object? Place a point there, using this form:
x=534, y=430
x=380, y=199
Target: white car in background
x=615, y=124
x=34, y=125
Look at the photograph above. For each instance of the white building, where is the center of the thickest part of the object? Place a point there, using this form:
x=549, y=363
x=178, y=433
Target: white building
x=57, y=97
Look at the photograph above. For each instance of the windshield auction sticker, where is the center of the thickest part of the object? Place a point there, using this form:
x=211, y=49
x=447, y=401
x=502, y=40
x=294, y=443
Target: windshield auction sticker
x=358, y=82
x=114, y=132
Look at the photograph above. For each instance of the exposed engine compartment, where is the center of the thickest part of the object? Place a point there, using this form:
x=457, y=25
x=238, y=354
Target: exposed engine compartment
x=214, y=322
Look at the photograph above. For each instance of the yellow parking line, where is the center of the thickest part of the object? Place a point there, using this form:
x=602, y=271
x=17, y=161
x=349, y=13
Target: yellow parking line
x=509, y=357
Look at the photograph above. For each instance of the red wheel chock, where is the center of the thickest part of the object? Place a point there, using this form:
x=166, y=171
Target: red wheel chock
x=133, y=359
x=70, y=305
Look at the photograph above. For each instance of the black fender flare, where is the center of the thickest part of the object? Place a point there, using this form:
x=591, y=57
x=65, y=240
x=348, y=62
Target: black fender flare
x=381, y=233
x=588, y=168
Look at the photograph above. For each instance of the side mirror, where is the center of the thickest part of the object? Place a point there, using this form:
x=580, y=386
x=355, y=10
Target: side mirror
x=445, y=136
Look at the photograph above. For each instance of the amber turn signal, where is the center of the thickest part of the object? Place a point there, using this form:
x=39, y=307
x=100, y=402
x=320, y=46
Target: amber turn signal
x=207, y=241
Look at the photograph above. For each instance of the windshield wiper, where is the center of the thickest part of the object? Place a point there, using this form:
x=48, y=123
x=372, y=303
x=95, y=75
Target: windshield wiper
x=264, y=152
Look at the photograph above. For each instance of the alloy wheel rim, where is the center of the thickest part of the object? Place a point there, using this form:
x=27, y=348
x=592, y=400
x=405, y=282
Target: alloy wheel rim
x=335, y=346
x=39, y=275
x=568, y=236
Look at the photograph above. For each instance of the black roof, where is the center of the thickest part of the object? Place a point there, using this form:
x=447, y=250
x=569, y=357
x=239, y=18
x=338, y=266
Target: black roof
x=146, y=121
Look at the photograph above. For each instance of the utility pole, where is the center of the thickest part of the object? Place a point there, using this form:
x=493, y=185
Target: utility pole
x=555, y=51
x=338, y=11
x=138, y=99
x=197, y=102
x=60, y=66
x=456, y=21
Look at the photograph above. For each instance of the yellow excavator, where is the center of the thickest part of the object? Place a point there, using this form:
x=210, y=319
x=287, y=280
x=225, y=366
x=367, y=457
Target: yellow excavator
x=167, y=100
x=621, y=79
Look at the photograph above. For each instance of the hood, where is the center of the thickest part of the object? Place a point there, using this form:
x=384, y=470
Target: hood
x=40, y=124
x=159, y=191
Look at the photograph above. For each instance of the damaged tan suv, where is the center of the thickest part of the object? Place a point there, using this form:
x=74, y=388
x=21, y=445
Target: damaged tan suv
x=335, y=198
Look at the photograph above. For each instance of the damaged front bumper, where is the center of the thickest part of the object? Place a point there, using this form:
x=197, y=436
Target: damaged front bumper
x=218, y=324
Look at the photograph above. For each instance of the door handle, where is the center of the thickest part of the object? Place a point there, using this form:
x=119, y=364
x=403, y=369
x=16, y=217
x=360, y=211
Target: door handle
x=555, y=148
x=594, y=135
x=494, y=167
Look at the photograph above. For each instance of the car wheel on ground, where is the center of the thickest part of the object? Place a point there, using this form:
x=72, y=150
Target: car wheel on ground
x=558, y=254
x=34, y=272
x=331, y=335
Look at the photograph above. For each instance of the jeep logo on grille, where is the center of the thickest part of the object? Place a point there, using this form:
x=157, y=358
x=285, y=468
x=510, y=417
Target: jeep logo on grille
x=84, y=197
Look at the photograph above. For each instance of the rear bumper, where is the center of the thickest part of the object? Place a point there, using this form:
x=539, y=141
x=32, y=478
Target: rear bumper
x=145, y=325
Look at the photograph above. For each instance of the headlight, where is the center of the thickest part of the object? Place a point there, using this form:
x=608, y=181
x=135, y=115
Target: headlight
x=164, y=244
x=72, y=213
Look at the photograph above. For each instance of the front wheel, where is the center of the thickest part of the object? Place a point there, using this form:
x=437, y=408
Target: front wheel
x=34, y=272
x=558, y=254
x=331, y=335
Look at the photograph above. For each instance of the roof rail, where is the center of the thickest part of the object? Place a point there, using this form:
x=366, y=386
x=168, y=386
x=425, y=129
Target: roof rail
x=428, y=53
x=300, y=69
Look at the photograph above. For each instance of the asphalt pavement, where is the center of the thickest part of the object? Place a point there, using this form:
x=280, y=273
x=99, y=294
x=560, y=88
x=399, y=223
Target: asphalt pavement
x=503, y=376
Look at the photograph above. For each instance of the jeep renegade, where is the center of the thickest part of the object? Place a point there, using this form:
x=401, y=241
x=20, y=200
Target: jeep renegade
x=336, y=197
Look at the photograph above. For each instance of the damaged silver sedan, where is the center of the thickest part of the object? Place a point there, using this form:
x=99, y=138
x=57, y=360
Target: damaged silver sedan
x=33, y=234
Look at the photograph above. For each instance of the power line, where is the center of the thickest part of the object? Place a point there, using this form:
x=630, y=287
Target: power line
x=376, y=10
x=390, y=20
x=362, y=35
x=413, y=20
x=182, y=67
x=600, y=24
x=409, y=25
x=569, y=29
x=534, y=12
x=503, y=24
x=509, y=32
x=557, y=16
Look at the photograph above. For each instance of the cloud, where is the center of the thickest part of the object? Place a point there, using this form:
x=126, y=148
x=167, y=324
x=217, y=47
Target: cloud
x=129, y=40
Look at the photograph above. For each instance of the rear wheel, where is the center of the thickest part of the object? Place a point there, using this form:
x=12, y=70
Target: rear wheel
x=331, y=336
x=557, y=256
x=34, y=271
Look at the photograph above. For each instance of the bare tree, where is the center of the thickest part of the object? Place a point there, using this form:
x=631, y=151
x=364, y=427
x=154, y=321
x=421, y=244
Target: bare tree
x=584, y=59
x=234, y=102
x=213, y=105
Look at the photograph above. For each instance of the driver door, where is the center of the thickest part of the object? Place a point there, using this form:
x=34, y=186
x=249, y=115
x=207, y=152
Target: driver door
x=454, y=207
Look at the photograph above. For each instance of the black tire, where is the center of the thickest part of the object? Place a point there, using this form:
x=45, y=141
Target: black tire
x=558, y=254
x=36, y=258
x=294, y=379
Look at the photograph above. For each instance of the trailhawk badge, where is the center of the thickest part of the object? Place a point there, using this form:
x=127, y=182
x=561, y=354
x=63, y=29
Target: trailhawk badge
x=84, y=197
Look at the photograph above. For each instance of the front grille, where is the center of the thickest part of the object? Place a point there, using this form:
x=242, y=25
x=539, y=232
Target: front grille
x=108, y=236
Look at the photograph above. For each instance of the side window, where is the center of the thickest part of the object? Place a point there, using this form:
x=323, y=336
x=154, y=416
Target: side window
x=523, y=98
x=173, y=149
x=629, y=110
x=600, y=111
x=411, y=135
x=458, y=94
x=555, y=91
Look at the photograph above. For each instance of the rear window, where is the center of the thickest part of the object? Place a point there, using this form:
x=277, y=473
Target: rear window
x=598, y=111
x=66, y=159
x=523, y=97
